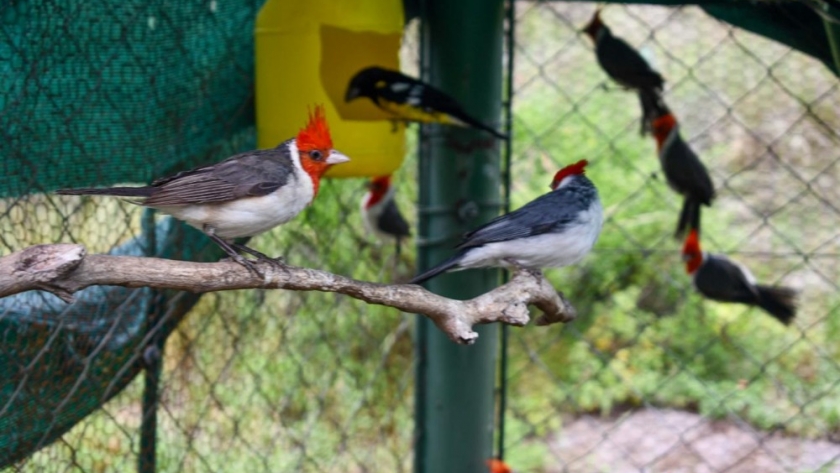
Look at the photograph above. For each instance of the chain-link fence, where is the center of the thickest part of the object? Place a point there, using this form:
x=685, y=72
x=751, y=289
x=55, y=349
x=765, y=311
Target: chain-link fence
x=650, y=378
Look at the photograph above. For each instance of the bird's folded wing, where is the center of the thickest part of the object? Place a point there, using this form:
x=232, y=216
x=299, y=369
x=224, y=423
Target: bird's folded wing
x=250, y=174
x=549, y=213
x=391, y=220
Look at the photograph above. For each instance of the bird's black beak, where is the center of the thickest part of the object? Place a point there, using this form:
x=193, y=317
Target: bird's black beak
x=352, y=93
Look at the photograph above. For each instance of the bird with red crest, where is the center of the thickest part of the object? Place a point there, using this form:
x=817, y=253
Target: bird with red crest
x=625, y=66
x=554, y=230
x=380, y=214
x=721, y=279
x=246, y=194
x=683, y=170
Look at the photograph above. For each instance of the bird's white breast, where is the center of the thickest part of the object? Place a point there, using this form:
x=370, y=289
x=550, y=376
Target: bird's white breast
x=249, y=216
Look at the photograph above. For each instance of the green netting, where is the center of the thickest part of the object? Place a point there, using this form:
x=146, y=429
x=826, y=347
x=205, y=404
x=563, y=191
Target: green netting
x=60, y=362
x=96, y=93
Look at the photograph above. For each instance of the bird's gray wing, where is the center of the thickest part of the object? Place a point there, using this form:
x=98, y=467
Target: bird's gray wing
x=551, y=212
x=251, y=174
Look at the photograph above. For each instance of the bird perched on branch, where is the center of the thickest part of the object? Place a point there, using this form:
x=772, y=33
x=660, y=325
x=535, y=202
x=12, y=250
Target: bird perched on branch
x=380, y=213
x=625, y=65
x=554, y=230
x=246, y=194
x=411, y=100
x=683, y=170
x=721, y=279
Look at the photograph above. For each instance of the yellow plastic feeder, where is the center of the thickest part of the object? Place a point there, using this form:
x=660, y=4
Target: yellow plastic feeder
x=307, y=51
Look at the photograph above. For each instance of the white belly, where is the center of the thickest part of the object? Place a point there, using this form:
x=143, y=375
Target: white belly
x=549, y=250
x=249, y=216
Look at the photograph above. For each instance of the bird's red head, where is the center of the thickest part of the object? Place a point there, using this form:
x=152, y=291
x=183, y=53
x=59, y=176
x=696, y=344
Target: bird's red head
x=692, y=254
x=498, y=466
x=570, y=170
x=594, y=26
x=315, y=147
x=379, y=187
x=662, y=127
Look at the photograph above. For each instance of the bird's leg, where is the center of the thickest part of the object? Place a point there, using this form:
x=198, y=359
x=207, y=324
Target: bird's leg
x=513, y=267
x=232, y=253
x=258, y=255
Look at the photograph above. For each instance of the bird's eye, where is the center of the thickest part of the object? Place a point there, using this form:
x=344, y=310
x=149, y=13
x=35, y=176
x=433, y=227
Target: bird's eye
x=316, y=155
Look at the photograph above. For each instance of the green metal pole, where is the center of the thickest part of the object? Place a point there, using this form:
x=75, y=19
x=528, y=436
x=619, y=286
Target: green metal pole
x=460, y=183
x=832, y=30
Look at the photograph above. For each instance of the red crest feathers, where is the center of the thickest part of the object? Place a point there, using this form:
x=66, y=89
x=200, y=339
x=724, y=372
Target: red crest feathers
x=692, y=243
x=498, y=466
x=378, y=188
x=570, y=170
x=594, y=25
x=316, y=135
x=692, y=254
x=662, y=127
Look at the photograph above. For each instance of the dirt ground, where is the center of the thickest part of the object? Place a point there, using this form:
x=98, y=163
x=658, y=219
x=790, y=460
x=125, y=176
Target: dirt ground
x=663, y=440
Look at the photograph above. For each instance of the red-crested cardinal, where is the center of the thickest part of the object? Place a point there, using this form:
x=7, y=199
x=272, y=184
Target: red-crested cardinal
x=498, y=466
x=246, y=194
x=380, y=213
x=411, y=100
x=625, y=65
x=683, y=170
x=720, y=279
x=554, y=230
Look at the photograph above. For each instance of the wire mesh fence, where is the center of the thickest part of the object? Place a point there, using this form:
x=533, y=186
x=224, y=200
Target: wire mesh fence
x=650, y=377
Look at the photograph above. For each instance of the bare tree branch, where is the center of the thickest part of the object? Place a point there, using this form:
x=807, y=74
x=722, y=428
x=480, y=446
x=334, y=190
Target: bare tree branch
x=66, y=268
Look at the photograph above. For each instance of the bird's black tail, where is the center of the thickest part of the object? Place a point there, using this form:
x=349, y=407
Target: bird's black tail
x=653, y=107
x=112, y=191
x=481, y=126
x=441, y=268
x=689, y=218
x=780, y=302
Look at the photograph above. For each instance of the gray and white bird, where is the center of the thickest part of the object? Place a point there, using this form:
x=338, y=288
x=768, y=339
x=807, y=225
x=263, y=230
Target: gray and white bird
x=380, y=213
x=718, y=278
x=625, y=65
x=246, y=194
x=554, y=230
x=683, y=170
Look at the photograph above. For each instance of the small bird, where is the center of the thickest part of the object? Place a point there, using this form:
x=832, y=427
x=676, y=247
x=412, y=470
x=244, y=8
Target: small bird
x=624, y=65
x=498, y=466
x=554, y=230
x=246, y=194
x=683, y=170
x=381, y=215
x=409, y=99
x=720, y=279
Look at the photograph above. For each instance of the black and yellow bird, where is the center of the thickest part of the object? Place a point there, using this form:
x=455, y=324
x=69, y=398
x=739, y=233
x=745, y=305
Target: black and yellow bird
x=409, y=99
